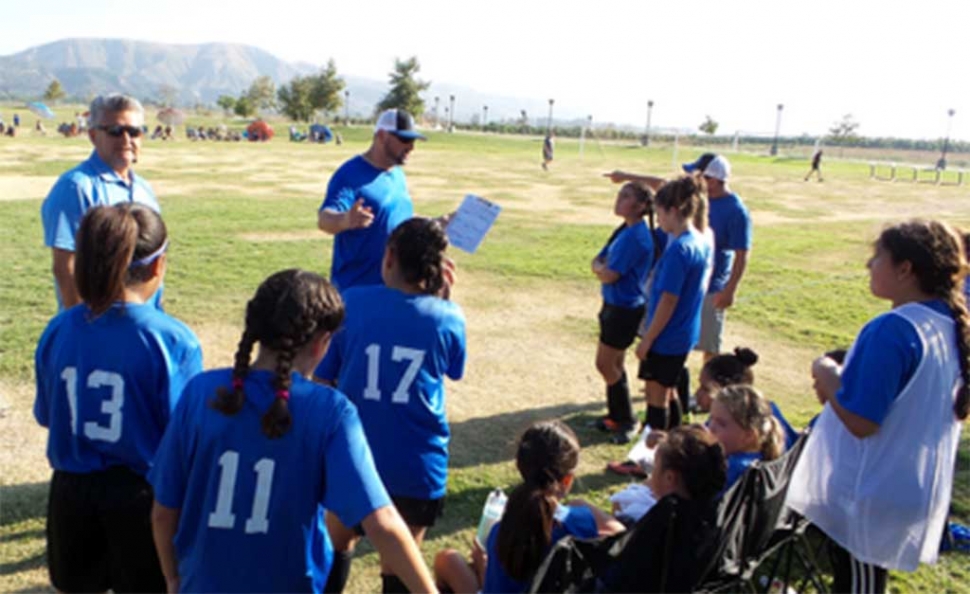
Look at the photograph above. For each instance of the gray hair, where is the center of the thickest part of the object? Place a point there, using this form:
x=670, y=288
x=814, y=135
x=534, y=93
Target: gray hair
x=113, y=103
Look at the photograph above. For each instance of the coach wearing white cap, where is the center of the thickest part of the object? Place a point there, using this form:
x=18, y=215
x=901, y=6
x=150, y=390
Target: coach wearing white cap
x=729, y=219
x=367, y=197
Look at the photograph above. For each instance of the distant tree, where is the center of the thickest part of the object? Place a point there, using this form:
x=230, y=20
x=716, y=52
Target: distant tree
x=709, y=126
x=226, y=102
x=296, y=98
x=405, y=90
x=244, y=107
x=168, y=94
x=327, y=87
x=844, y=131
x=262, y=93
x=54, y=91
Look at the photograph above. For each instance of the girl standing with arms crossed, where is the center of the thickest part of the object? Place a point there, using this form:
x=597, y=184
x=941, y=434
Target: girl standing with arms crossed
x=622, y=266
x=877, y=472
x=391, y=359
x=676, y=295
x=254, y=454
x=109, y=371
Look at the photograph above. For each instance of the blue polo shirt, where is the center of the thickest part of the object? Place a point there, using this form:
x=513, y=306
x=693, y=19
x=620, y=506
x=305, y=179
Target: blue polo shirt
x=357, y=253
x=729, y=219
x=90, y=184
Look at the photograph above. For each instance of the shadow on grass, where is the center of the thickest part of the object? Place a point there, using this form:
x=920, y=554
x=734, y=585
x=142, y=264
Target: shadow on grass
x=23, y=502
x=36, y=561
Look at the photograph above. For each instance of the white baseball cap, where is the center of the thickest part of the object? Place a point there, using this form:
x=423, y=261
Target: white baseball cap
x=399, y=123
x=718, y=168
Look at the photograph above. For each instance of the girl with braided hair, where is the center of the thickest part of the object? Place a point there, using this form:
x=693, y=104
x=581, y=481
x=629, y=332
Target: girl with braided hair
x=255, y=453
x=109, y=372
x=877, y=472
x=400, y=341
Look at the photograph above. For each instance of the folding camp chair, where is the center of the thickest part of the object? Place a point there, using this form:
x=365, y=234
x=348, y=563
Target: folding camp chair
x=756, y=527
x=660, y=553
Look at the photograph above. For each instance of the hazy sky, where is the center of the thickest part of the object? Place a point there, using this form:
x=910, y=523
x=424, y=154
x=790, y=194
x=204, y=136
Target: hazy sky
x=897, y=67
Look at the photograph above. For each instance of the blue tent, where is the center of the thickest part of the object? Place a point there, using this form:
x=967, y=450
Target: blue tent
x=320, y=133
x=41, y=110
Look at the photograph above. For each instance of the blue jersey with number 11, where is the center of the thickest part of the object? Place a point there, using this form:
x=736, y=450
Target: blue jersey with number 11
x=391, y=358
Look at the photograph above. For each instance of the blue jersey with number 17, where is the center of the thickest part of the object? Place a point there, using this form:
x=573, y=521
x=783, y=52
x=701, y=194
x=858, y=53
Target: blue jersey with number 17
x=106, y=385
x=391, y=358
x=251, y=507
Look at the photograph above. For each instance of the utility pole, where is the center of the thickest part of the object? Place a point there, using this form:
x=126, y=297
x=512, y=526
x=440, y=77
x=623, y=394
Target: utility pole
x=774, y=143
x=549, y=122
x=646, y=136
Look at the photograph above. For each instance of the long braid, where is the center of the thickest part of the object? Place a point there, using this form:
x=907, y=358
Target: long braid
x=230, y=400
x=277, y=420
x=961, y=318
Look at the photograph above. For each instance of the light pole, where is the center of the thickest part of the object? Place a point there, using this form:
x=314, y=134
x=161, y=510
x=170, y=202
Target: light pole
x=346, y=108
x=451, y=112
x=946, y=139
x=774, y=143
x=549, y=122
x=646, y=136
x=484, y=117
x=436, y=122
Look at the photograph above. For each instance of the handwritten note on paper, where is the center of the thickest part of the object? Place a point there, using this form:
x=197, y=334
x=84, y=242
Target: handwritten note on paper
x=471, y=222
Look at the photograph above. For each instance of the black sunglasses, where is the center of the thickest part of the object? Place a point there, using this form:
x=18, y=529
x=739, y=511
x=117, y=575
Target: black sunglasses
x=118, y=129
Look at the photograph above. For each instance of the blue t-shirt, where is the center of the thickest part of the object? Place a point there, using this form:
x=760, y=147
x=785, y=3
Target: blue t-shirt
x=629, y=254
x=571, y=520
x=391, y=357
x=683, y=270
x=880, y=364
x=92, y=183
x=106, y=386
x=791, y=436
x=729, y=219
x=737, y=463
x=251, y=507
x=357, y=253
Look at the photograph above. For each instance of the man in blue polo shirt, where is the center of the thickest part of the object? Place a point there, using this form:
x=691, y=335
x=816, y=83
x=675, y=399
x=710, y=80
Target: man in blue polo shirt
x=367, y=198
x=106, y=177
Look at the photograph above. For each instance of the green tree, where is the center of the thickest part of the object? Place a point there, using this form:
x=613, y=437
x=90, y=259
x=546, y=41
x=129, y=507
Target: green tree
x=709, y=126
x=168, y=94
x=262, y=93
x=326, y=89
x=296, y=98
x=844, y=131
x=244, y=107
x=405, y=90
x=54, y=91
x=226, y=102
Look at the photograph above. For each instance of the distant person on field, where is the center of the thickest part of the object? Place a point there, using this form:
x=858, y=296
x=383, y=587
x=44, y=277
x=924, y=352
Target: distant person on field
x=16, y=120
x=548, y=145
x=816, y=166
x=106, y=177
x=367, y=198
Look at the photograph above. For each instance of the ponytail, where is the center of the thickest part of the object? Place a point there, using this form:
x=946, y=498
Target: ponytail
x=526, y=529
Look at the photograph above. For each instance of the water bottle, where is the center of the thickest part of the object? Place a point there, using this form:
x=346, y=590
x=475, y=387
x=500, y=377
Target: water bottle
x=491, y=513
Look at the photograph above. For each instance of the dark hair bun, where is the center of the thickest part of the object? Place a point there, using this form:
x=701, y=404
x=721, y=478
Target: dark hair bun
x=746, y=356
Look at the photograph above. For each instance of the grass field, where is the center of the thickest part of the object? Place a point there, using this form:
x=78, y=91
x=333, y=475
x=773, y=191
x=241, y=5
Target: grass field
x=239, y=211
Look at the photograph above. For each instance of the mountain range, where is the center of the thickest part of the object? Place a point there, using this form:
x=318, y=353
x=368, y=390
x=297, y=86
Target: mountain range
x=200, y=73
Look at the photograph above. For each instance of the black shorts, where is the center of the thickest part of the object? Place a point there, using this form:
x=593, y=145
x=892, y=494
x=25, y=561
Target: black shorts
x=619, y=325
x=663, y=369
x=423, y=513
x=99, y=533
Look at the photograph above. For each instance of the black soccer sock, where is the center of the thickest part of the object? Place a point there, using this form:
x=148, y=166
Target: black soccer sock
x=339, y=572
x=676, y=416
x=683, y=390
x=391, y=584
x=657, y=418
x=620, y=406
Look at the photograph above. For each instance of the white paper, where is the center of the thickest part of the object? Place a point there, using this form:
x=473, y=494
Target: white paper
x=471, y=223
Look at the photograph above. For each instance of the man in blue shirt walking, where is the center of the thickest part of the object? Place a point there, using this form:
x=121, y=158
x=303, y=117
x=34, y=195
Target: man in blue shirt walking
x=106, y=177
